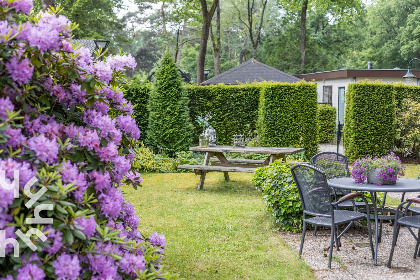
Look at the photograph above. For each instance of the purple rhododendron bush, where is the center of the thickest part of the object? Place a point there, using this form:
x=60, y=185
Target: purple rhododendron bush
x=66, y=134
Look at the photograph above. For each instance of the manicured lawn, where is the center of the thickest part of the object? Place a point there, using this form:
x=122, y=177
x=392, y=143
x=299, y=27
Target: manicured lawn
x=223, y=232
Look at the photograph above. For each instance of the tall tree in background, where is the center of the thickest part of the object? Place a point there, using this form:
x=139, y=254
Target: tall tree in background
x=169, y=129
x=216, y=43
x=340, y=10
x=207, y=17
x=253, y=12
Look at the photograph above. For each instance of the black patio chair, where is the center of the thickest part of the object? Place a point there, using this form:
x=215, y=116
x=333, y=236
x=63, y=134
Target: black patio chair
x=408, y=221
x=315, y=195
x=335, y=165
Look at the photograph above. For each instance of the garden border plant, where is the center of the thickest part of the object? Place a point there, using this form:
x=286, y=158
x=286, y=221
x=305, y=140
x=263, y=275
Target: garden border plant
x=65, y=123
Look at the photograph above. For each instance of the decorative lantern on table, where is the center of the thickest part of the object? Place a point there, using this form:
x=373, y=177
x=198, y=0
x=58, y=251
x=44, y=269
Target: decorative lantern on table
x=203, y=140
x=211, y=133
x=239, y=140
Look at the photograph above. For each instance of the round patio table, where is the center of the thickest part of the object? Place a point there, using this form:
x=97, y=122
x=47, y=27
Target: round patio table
x=402, y=185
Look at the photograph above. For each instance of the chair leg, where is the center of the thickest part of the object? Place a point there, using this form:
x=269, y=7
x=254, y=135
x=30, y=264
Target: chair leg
x=417, y=244
x=370, y=235
x=316, y=227
x=337, y=241
x=394, y=242
x=380, y=231
x=303, y=238
x=331, y=245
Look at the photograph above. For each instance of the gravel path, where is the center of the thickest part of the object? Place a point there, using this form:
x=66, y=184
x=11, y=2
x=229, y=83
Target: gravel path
x=354, y=260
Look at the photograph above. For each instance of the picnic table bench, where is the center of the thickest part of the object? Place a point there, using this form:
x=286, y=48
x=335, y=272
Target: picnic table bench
x=215, y=156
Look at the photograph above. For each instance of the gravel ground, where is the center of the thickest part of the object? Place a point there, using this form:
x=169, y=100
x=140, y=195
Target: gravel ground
x=354, y=260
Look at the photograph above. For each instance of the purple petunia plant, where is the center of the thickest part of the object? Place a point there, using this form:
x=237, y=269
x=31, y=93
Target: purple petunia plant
x=390, y=167
x=67, y=129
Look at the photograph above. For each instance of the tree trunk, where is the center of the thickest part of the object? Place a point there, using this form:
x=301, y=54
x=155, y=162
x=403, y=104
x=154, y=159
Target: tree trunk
x=257, y=39
x=207, y=16
x=303, y=34
x=181, y=44
x=215, y=43
x=165, y=35
x=46, y=4
x=243, y=51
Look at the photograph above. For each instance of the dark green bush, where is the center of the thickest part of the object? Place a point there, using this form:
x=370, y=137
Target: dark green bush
x=288, y=116
x=138, y=93
x=326, y=120
x=280, y=194
x=407, y=131
x=169, y=129
x=369, y=120
x=233, y=109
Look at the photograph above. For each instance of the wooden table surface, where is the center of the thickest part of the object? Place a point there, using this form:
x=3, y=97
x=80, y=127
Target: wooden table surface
x=250, y=150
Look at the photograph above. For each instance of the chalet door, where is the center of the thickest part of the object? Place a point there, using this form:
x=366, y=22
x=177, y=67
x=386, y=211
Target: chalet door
x=341, y=104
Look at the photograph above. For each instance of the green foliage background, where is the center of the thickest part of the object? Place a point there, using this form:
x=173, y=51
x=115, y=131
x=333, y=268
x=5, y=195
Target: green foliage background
x=369, y=119
x=169, y=129
x=288, y=116
x=326, y=120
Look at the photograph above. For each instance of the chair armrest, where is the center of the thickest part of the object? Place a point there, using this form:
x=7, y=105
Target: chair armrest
x=349, y=196
x=414, y=199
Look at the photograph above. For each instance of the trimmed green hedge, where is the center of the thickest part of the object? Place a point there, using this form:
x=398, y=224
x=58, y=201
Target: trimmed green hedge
x=326, y=120
x=138, y=93
x=288, y=116
x=403, y=91
x=369, y=119
x=233, y=109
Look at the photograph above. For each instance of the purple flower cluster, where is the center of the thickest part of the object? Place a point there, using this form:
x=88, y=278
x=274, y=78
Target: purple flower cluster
x=87, y=226
x=24, y=6
x=129, y=126
x=120, y=62
x=20, y=71
x=390, y=167
x=55, y=240
x=67, y=267
x=45, y=149
x=5, y=105
x=70, y=174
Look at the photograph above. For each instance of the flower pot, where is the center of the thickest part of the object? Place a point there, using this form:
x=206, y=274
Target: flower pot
x=373, y=178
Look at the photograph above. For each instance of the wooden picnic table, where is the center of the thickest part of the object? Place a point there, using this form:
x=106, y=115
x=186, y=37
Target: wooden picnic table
x=225, y=165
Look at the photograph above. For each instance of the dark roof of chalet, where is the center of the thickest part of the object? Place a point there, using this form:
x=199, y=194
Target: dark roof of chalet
x=87, y=43
x=365, y=73
x=251, y=71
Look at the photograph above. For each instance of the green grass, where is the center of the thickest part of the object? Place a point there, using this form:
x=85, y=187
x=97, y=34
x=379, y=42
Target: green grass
x=223, y=232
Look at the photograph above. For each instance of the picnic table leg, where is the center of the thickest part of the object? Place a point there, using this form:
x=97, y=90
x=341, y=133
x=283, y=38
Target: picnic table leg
x=227, y=179
x=203, y=173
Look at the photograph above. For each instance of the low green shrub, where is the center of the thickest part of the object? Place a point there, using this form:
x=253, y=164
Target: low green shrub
x=147, y=161
x=326, y=120
x=280, y=194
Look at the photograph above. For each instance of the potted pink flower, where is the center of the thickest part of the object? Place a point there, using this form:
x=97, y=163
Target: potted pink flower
x=378, y=170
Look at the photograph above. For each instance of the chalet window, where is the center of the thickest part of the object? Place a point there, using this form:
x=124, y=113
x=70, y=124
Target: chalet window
x=327, y=95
